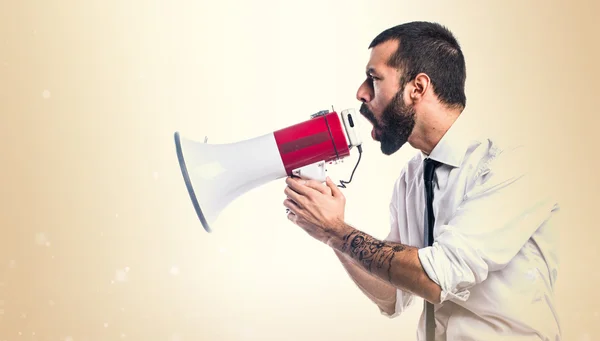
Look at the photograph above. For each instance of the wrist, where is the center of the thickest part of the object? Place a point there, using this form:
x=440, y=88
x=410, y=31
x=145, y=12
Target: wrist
x=336, y=236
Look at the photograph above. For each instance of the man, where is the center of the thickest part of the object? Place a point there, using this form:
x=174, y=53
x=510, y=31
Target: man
x=490, y=271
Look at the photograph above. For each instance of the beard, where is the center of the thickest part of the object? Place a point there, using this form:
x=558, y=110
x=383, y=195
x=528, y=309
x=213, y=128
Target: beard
x=397, y=123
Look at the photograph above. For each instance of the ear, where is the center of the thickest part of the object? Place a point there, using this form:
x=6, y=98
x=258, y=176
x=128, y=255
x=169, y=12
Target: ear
x=421, y=85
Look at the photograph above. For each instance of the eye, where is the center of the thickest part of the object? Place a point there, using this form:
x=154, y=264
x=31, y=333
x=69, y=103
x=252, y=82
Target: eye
x=371, y=79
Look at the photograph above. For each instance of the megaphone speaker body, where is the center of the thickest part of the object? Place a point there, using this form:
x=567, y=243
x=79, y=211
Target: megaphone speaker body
x=216, y=174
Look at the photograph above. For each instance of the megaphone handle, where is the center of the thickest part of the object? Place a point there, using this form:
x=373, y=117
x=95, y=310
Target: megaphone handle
x=314, y=171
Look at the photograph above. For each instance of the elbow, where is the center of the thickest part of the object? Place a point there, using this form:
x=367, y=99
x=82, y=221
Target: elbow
x=388, y=308
x=433, y=295
x=389, y=312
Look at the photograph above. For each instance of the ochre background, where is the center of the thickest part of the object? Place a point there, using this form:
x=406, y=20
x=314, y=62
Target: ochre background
x=98, y=238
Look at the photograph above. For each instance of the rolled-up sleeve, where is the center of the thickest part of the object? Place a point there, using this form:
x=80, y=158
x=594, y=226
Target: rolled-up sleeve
x=503, y=208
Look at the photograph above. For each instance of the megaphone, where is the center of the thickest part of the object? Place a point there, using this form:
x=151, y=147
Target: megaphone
x=216, y=174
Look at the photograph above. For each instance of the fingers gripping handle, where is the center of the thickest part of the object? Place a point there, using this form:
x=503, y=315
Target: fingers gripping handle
x=315, y=171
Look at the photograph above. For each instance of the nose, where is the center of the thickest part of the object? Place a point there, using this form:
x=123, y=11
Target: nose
x=364, y=93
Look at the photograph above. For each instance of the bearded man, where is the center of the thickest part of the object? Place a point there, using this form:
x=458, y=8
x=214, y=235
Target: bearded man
x=471, y=230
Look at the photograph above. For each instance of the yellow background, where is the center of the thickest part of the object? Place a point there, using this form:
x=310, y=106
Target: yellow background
x=98, y=238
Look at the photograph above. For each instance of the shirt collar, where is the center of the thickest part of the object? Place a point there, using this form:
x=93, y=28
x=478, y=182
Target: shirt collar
x=452, y=147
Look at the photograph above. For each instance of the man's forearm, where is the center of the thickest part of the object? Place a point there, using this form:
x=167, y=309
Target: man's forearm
x=377, y=290
x=394, y=263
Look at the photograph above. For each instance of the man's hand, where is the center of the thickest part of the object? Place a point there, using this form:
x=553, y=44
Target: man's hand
x=317, y=208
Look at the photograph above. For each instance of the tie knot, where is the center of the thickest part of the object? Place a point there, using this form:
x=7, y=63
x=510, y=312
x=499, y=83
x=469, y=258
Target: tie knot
x=429, y=168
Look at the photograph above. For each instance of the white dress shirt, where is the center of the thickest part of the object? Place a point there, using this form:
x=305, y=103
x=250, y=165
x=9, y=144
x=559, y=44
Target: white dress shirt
x=495, y=249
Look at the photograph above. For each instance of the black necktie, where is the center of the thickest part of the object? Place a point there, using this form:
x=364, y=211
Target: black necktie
x=428, y=172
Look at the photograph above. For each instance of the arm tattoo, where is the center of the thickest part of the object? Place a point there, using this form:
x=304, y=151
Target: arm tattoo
x=370, y=251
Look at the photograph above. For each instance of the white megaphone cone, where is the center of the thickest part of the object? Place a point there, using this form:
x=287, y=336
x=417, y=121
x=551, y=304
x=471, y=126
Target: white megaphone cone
x=215, y=175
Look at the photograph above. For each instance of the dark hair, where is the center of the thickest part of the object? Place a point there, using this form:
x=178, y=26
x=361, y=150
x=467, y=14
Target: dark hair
x=432, y=49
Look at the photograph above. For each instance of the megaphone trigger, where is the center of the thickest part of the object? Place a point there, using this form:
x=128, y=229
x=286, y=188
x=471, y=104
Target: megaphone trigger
x=314, y=171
